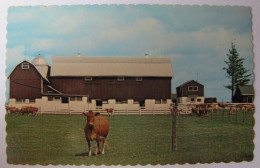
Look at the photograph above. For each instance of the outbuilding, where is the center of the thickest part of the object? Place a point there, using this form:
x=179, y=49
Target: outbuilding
x=244, y=94
x=190, y=92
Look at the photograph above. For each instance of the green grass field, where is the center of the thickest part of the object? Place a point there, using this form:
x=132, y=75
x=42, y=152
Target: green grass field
x=60, y=139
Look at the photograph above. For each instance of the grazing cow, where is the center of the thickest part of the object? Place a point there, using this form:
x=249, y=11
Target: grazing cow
x=240, y=106
x=249, y=107
x=232, y=110
x=202, y=109
x=109, y=111
x=29, y=110
x=13, y=109
x=222, y=105
x=213, y=107
x=96, y=128
x=195, y=110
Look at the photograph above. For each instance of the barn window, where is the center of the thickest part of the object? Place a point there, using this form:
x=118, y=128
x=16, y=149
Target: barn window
x=98, y=102
x=198, y=100
x=64, y=100
x=56, y=98
x=164, y=101
x=118, y=102
x=32, y=100
x=120, y=78
x=192, y=99
x=193, y=88
x=20, y=100
x=50, y=98
x=124, y=101
x=88, y=78
x=138, y=79
x=89, y=100
x=158, y=101
x=142, y=103
x=25, y=65
x=250, y=99
x=136, y=102
x=76, y=98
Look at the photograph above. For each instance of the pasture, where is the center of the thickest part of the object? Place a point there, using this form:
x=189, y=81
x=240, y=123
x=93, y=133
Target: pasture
x=132, y=140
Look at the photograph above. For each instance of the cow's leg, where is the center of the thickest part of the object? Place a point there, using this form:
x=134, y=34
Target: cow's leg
x=97, y=146
x=103, y=146
x=89, y=149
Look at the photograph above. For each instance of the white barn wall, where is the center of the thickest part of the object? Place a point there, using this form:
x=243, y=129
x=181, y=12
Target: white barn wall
x=56, y=106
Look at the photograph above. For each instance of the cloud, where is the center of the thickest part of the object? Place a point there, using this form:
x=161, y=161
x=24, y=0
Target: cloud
x=14, y=56
x=196, y=38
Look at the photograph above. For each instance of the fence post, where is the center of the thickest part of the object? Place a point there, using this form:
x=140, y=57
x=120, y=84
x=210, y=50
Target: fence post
x=174, y=129
x=236, y=115
x=243, y=116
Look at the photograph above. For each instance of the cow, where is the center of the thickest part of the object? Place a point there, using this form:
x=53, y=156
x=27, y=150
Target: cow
x=96, y=128
x=240, y=106
x=249, y=107
x=109, y=111
x=202, y=109
x=222, y=105
x=213, y=107
x=177, y=109
x=13, y=110
x=232, y=110
x=29, y=110
x=195, y=110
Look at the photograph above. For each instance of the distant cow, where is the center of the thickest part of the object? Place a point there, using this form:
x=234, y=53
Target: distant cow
x=249, y=107
x=240, y=106
x=29, y=110
x=176, y=109
x=109, y=111
x=13, y=110
x=96, y=128
x=222, y=105
x=232, y=110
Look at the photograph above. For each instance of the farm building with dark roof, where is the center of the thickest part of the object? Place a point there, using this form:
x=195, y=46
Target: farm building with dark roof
x=80, y=83
x=244, y=94
x=190, y=92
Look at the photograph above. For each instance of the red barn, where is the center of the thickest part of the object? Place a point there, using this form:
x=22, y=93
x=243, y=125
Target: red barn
x=91, y=82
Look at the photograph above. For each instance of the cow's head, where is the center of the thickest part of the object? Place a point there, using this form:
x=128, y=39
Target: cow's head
x=90, y=118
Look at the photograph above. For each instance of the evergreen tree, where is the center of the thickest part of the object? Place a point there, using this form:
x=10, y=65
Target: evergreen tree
x=235, y=70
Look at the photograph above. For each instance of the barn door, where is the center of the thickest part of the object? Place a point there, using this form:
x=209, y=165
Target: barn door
x=65, y=100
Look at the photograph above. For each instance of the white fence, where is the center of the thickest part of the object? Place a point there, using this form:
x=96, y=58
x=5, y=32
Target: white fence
x=141, y=111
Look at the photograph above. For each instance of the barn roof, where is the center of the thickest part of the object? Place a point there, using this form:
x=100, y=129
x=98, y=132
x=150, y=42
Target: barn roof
x=111, y=66
x=185, y=83
x=246, y=89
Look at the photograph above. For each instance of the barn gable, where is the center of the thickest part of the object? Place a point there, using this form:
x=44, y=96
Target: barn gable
x=41, y=70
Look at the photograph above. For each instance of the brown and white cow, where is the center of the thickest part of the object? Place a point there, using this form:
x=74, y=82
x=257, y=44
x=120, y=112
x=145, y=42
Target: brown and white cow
x=13, y=110
x=96, y=128
x=109, y=111
x=249, y=107
x=222, y=105
x=29, y=110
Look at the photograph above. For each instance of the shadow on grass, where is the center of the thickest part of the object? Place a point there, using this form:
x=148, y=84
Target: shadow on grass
x=81, y=154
